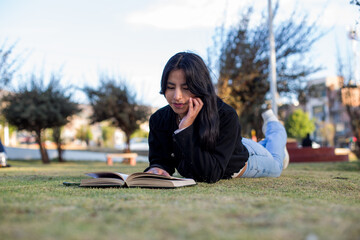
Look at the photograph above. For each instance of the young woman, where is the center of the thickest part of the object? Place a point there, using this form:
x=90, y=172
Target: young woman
x=200, y=136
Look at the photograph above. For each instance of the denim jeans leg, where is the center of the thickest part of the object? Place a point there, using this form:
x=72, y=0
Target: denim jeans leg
x=275, y=141
x=266, y=157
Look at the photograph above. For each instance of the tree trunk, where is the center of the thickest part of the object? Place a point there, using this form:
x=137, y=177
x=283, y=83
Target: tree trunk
x=354, y=114
x=357, y=135
x=57, y=139
x=43, y=152
x=127, y=149
x=60, y=151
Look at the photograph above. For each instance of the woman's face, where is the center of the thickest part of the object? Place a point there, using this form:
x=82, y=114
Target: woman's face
x=177, y=92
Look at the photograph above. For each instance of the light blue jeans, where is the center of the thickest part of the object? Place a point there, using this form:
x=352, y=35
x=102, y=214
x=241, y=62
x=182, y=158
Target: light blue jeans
x=266, y=157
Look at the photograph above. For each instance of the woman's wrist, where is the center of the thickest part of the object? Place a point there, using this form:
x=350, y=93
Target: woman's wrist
x=179, y=130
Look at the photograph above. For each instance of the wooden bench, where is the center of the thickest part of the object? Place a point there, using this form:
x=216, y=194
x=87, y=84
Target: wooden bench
x=129, y=158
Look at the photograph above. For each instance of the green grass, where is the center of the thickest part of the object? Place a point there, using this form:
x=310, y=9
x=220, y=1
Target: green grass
x=321, y=200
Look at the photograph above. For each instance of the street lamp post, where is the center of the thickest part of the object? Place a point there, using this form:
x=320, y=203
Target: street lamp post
x=353, y=35
x=272, y=60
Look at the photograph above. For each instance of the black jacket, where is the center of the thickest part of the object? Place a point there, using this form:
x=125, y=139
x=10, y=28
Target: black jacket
x=182, y=151
x=2, y=149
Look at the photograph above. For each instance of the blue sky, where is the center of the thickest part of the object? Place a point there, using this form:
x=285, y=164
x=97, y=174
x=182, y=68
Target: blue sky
x=134, y=39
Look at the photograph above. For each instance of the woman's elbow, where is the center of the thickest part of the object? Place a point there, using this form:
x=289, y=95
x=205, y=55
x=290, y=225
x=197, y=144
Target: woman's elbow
x=211, y=178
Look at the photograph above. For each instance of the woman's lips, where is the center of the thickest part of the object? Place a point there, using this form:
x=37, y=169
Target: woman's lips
x=178, y=105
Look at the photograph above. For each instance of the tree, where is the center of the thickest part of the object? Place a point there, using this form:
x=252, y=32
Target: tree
x=56, y=135
x=35, y=107
x=3, y=123
x=84, y=134
x=140, y=134
x=354, y=114
x=355, y=2
x=327, y=132
x=113, y=101
x=107, y=134
x=8, y=64
x=349, y=92
x=243, y=63
x=298, y=124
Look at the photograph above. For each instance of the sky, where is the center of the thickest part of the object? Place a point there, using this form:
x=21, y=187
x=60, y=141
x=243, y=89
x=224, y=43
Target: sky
x=133, y=39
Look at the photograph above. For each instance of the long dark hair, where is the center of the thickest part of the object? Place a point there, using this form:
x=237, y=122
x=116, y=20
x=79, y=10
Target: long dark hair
x=199, y=83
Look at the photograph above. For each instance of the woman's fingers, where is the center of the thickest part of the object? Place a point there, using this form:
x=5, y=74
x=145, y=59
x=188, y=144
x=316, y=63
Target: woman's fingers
x=195, y=105
x=191, y=106
x=158, y=171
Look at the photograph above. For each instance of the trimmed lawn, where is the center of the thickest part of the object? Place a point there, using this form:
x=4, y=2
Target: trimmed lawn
x=309, y=201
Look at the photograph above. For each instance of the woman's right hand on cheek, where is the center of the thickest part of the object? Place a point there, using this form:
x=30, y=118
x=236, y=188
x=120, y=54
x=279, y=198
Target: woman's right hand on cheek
x=195, y=105
x=159, y=171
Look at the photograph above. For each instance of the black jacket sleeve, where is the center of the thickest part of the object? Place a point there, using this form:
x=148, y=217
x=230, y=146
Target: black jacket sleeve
x=202, y=165
x=160, y=146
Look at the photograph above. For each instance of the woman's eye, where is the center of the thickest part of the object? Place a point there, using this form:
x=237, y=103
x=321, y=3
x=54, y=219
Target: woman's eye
x=186, y=89
x=170, y=87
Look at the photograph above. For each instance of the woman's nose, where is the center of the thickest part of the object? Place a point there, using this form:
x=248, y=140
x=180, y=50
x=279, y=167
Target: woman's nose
x=177, y=94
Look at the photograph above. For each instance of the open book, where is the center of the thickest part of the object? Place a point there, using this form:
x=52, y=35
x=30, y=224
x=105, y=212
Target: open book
x=140, y=179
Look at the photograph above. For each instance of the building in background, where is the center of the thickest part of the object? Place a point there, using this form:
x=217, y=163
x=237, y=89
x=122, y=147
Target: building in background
x=325, y=106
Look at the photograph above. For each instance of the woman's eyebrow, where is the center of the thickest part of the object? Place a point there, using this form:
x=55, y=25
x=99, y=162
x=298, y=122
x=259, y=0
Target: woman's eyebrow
x=170, y=83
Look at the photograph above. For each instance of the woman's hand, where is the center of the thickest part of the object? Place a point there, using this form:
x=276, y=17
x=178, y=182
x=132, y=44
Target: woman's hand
x=158, y=171
x=195, y=105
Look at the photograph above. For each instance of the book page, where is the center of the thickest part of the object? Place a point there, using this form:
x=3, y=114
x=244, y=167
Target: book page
x=124, y=176
x=147, y=175
x=184, y=182
x=102, y=182
x=155, y=180
x=108, y=175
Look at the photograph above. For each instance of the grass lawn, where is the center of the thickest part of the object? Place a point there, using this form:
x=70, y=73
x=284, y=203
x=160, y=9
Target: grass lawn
x=309, y=201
